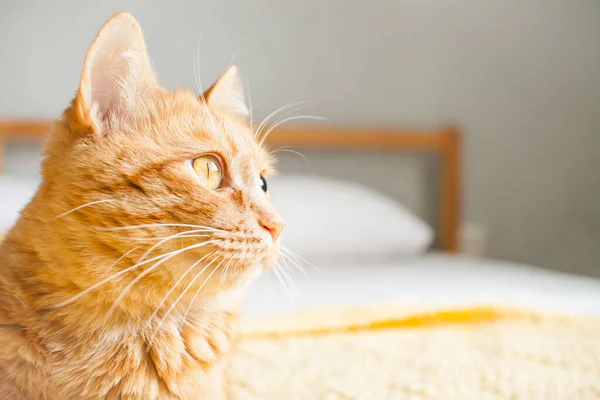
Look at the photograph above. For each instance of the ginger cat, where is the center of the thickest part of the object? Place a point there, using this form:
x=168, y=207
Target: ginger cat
x=124, y=276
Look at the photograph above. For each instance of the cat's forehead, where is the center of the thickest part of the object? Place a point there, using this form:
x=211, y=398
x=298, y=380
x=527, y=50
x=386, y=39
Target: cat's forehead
x=236, y=139
x=182, y=119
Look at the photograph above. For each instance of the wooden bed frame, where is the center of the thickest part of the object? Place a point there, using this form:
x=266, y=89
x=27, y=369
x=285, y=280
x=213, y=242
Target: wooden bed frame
x=446, y=142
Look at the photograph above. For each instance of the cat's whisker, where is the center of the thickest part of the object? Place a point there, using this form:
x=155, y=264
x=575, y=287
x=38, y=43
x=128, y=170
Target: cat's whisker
x=166, y=239
x=187, y=311
x=280, y=150
x=287, y=273
x=157, y=329
x=284, y=264
x=153, y=239
x=271, y=148
x=299, y=257
x=129, y=227
x=281, y=117
x=194, y=68
x=250, y=109
x=120, y=258
x=269, y=280
x=146, y=272
x=293, y=263
x=189, y=285
x=283, y=285
x=313, y=117
x=177, y=283
x=122, y=272
x=199, y=83
x=224, y=274
x=91, y=203
x=300, y=103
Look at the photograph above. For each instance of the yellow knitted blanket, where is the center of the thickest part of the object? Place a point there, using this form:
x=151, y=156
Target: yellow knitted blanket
x=391, y=353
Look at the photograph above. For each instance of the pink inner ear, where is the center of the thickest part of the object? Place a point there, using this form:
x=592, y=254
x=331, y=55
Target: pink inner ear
x=117, y=69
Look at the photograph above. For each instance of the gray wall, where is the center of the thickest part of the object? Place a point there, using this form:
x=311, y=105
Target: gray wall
x=522, y=78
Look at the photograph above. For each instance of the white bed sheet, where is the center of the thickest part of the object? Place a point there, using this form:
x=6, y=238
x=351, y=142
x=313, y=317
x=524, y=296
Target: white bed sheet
x=435, y=279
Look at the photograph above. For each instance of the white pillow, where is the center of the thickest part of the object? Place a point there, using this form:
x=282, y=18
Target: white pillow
x=15, y=193
x=329, y=217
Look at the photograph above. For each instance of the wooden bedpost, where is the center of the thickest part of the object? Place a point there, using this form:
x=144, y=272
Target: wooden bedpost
x=450, y=190
x=21, y=130
x=1, y=154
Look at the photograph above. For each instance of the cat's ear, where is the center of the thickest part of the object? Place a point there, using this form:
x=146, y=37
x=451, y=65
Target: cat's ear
x=115, y=75
x=228, y=93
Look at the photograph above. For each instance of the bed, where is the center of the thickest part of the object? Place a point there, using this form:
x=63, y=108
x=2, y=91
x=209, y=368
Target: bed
x=402, y=315
x=435, y=279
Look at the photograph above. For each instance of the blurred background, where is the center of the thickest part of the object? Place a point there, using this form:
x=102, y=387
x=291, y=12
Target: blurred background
x=520, y=79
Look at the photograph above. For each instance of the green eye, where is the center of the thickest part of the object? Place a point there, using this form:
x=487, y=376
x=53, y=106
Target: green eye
x=209, y=171
x=263, y=184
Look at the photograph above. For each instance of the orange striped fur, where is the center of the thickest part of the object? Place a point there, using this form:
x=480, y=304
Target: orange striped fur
x=77, y=319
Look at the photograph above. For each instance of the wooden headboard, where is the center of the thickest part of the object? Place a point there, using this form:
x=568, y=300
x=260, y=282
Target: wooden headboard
x=445, y=142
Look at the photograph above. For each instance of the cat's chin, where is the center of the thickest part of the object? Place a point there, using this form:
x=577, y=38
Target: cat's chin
x=241, y=277
x=270, y=259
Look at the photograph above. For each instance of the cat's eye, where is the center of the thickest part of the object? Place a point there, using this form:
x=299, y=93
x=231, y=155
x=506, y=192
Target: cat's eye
x=263, y=183
x=209, y=171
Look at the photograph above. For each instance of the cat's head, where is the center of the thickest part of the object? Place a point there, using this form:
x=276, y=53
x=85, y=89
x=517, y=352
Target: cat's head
x=162, y=172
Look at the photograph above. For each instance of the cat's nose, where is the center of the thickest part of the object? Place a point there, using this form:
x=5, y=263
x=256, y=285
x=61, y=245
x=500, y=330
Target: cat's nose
x=274, y=228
